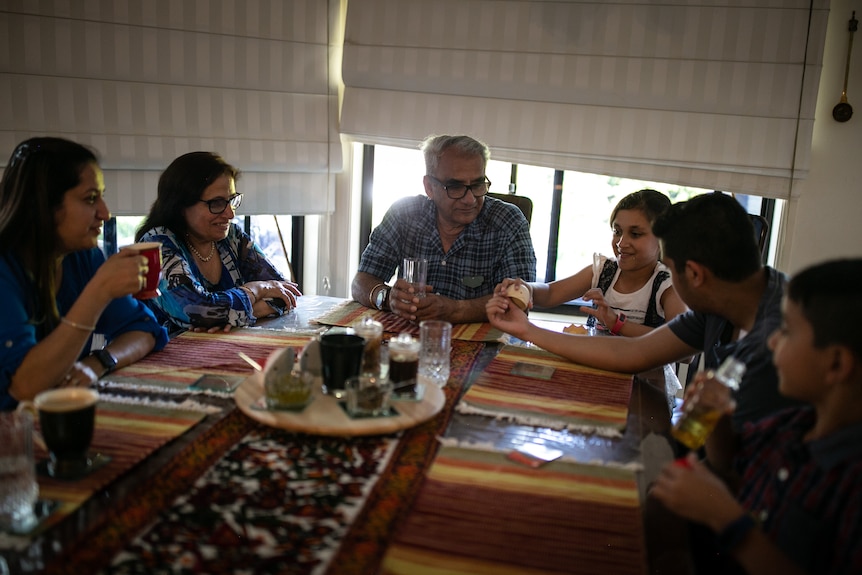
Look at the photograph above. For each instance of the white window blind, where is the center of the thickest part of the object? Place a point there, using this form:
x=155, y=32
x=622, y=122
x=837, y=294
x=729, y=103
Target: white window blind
x=709, y=94
x=144, y=82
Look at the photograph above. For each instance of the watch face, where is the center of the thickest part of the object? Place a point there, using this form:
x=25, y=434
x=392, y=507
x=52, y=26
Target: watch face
x=381, y=298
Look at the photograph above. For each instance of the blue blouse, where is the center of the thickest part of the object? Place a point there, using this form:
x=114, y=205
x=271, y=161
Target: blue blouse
x=18, y=334
x=188, y=299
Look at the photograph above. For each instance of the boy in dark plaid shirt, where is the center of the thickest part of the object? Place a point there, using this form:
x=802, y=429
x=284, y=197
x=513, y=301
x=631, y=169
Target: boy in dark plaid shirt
x=798, y=503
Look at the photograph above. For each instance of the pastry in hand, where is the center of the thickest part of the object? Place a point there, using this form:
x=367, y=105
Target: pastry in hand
x=520, y=294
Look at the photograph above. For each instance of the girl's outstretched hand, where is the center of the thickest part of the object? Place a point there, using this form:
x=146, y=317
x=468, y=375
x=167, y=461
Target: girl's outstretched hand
x=506, y=316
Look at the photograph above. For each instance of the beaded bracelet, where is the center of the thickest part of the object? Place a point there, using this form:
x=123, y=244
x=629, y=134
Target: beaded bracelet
x=77, y=325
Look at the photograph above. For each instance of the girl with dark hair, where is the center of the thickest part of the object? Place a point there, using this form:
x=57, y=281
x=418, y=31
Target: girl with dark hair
x=213, y=276
x=56, y=285
x=632, y=292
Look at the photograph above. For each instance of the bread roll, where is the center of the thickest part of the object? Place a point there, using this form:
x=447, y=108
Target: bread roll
x=520, y=294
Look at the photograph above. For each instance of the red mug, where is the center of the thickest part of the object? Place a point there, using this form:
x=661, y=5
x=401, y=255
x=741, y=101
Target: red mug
x=153, y=252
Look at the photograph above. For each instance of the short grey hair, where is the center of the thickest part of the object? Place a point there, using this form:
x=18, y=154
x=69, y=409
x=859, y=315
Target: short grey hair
x=434, y=146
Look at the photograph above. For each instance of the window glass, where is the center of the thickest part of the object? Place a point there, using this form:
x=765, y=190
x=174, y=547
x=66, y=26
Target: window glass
x=126, y=228
x=397, y=174
x=588, y=200
x=272, y=234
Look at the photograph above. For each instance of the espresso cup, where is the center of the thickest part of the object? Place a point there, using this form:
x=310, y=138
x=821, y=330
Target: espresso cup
x=67, y=417
x=404, y=362
x=153, y=252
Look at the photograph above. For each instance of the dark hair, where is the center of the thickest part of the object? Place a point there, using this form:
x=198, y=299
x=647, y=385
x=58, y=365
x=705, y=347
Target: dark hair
x=650, y=202
x=434, y=146
x=830, y=297
x=713, y=230
x=37, y=177
x=181, y=185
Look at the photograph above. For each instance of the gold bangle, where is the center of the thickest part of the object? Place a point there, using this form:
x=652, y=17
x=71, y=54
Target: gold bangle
x=77, y=325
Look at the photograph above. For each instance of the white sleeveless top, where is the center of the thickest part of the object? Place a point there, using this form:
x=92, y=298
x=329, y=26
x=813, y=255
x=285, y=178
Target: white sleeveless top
x=634, y=304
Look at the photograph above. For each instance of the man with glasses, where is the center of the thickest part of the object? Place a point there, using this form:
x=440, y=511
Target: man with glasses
x=472, y=242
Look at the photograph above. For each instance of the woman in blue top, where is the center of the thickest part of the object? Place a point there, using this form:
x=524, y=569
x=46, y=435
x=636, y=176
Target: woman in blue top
x=213, y=276
x=56, y=286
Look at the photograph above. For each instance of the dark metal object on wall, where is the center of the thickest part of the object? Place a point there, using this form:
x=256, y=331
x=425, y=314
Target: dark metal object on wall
x=843, y=110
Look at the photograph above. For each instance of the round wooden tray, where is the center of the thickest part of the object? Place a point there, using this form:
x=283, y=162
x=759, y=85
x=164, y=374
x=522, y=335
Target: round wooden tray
x=325, y=416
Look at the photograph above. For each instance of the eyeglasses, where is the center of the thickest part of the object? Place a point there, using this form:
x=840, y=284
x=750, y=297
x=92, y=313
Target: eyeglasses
x=457, y=190
x=218, y=205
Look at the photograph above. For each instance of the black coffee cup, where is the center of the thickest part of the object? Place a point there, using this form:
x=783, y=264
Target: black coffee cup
x=66, y=418
x=341, y=357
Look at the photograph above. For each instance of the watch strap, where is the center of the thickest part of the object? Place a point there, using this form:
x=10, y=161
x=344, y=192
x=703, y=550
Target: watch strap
x=106, y=358
x=618, y=326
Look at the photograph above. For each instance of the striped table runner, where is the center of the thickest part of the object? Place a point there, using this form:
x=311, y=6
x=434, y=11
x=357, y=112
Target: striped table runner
x=351, y=313
x=191, y=355
x=573, y=396
x=478, y=512
x=125, y=433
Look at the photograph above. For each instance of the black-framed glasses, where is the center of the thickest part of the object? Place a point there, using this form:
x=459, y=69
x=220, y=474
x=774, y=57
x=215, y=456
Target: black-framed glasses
x=457, y=190
x=218, y=205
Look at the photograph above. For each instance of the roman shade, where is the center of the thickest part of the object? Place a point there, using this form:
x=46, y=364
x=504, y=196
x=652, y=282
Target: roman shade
x=144, y=82
x=709, y=94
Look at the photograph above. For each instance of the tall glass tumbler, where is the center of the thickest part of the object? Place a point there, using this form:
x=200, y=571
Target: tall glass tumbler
x=435, y=339
x=415, y=271
x=18, y=486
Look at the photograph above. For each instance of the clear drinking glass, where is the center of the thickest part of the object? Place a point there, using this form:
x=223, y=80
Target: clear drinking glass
x=415, y=271
x=18, y=487
x=435, y=339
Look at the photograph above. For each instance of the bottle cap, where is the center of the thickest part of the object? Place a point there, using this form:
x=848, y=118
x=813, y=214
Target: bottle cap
x=730, y=372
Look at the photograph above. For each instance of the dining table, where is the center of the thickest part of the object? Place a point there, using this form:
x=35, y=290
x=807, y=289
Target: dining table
x=527, y=463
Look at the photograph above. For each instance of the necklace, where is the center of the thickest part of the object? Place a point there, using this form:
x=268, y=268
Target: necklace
x=197, y=253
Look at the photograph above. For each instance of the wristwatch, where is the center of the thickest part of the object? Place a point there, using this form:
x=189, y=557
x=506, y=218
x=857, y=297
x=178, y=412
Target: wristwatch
x=621, y=320
x=106, y=358
x=382, y=297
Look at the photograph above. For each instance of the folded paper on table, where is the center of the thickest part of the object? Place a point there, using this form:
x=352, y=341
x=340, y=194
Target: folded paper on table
x=191, y=355
x=576, y=397
x=352, y=313
x=125, y=433
x=478, y=512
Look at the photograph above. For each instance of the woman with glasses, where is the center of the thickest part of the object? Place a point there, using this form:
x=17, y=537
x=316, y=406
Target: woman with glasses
x=213, y=275
x=57, y=287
